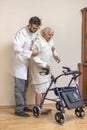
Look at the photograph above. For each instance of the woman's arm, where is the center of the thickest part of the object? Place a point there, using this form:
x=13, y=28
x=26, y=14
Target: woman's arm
x=55, y=55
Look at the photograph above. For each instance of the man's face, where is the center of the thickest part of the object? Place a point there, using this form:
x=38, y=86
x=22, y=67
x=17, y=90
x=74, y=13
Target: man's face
x=33, y=28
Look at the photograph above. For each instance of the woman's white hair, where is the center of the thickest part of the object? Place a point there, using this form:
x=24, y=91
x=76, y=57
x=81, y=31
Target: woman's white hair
x=46, y=30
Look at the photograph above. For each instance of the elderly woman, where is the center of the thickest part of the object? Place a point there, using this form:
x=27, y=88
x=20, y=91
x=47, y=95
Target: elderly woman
x=44, y=44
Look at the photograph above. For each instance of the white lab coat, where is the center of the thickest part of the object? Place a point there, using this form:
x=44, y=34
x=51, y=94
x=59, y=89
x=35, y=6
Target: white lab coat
x=21, y=53
x=40, y=61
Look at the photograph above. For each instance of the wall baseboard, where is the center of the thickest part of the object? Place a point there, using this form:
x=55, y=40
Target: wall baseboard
x=30, y=105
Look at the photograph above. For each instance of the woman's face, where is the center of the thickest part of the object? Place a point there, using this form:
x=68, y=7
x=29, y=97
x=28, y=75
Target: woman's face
x=48, y=35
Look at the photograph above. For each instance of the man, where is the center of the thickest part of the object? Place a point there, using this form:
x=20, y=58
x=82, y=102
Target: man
x=44, y=44
x=20, y=63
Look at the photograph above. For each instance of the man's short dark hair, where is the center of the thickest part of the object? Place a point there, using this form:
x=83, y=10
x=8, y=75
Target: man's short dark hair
x=35, y=20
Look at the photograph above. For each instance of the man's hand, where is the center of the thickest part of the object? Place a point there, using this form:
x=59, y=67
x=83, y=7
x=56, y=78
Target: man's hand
x=35, y=53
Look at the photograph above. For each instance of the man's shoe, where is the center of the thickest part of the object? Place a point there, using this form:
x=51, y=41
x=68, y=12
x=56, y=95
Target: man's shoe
x=26, y=109
x=22, y=114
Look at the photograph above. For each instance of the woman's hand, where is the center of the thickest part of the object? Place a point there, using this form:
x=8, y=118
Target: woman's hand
x=57, y=59
x=47, y=67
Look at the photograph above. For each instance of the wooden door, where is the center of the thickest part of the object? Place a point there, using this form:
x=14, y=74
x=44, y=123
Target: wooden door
x=84, y=35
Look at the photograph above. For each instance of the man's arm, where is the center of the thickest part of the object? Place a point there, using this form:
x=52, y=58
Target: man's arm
x=19, y=42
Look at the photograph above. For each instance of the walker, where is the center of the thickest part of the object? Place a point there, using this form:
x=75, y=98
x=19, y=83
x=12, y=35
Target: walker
x=69, y=96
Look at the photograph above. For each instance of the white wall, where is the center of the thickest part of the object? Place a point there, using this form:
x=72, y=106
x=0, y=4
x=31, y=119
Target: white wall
x=65, y=18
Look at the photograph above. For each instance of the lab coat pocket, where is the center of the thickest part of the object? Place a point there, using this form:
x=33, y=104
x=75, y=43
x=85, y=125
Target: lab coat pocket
x=21, y=58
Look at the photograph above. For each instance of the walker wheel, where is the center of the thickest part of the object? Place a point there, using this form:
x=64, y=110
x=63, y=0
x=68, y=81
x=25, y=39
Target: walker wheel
x=36, y=111
x=58, y=106
x=80, y=112
x=60, y=117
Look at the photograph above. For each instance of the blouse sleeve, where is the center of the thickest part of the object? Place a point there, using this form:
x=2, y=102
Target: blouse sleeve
x=37, y=59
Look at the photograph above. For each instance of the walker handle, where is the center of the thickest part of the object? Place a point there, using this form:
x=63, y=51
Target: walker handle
x=72, y=73
x=45, y=72
x=68, y=71
x=67, y=68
